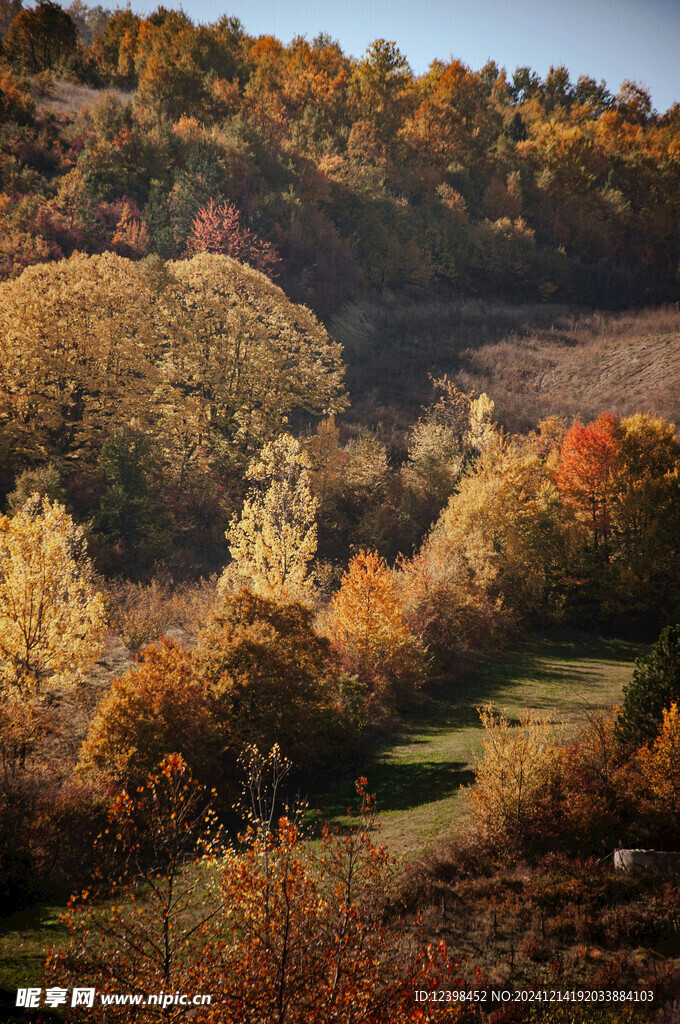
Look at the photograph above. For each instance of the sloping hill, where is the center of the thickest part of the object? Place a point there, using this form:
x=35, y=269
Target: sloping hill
x=533, y=360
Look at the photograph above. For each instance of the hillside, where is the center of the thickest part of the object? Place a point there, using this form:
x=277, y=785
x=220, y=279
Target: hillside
x=533, y=360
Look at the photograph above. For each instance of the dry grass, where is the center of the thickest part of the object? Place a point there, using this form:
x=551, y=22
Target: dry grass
x=68, y=98
x=534, y=360
x=583, y=365
x=142, y=613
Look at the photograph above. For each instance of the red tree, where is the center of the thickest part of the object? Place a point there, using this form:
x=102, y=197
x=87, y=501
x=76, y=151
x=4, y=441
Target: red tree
x=219, y=229
x=589, y=459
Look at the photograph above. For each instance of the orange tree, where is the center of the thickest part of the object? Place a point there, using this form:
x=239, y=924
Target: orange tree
x=366, y=625
x=158, y=707
x=141, y=926
x=586, y=477
x=308, y=934
x=270, y=679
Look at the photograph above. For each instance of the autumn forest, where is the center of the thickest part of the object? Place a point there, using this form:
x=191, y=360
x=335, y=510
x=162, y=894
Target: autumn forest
x=339, y=483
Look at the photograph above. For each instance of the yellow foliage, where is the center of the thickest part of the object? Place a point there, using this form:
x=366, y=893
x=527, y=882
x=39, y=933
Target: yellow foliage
x=365, y=623
x=327, y=459
x=504, y=524
x=516, y=761
x=483, y=434
x=51, y=616
x=275, y=538
x=205, y=349
x=661, y=763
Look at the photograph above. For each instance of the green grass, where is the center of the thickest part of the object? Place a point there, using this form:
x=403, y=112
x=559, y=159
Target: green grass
x=418, y=774
x=24, y=939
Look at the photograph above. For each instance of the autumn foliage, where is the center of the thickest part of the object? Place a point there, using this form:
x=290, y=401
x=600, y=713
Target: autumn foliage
x=274, y=929
x=51, y=616
x=587, y=472
x=366, y=625
x=218, y=229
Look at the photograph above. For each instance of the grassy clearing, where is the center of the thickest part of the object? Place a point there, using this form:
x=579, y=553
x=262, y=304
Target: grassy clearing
x=24, y=939
x=419, y=773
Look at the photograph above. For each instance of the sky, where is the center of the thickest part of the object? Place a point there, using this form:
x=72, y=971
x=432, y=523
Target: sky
x=606, y=39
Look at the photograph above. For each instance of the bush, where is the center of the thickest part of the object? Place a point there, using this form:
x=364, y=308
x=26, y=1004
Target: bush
x=157, y=708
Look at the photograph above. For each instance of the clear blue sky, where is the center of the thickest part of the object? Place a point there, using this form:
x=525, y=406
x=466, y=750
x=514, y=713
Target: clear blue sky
x=610, y=39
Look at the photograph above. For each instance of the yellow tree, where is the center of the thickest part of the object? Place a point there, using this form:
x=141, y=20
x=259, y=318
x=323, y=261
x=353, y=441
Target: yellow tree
x=51, y=616
x=365, y=623
x=504, y=523
x=661, y=763
x=275, y=539
x=516, y=761
x=327, y=460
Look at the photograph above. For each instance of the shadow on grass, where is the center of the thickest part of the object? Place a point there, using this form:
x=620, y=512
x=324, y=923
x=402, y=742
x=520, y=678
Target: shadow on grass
x=401, y=786
x=555, y=662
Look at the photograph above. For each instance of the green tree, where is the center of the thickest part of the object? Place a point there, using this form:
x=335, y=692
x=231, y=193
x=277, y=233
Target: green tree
x=128, y=512
x=654, y=687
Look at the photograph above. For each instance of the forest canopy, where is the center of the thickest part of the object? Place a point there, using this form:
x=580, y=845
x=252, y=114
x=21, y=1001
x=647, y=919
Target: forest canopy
x=338, y=173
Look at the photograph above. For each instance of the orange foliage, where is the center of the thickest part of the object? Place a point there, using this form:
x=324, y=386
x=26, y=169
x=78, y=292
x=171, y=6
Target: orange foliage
x=276, y=930
x=312, y=943
x=156, y=708
x=365, y=623
x=589, y=459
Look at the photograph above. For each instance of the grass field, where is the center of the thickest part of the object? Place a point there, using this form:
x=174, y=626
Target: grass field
x=419, y=773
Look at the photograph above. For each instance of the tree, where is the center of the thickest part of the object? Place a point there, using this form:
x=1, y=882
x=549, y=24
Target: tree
x=655, y=685
x=504, y=526
x=51, y=616
x=141, y=925
x=310, y=934
x=9, y=9
x=275, y=538
x=327, y=460
x=43, y=480
x=516, y=761
x=661, y=763
x=219, y=229
x=365, y=623
x=248, y=353
x=201, y=352
x=438, y=451
x=589, y=459
x=271, y=680
x=157, y=708
x=41, y=37
x=77, y=352
x=381, y=84
x=273, y=928
x=644, y=564
x=129, y=515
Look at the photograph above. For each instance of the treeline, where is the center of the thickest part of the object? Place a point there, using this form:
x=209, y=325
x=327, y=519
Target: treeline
x=351, y=172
